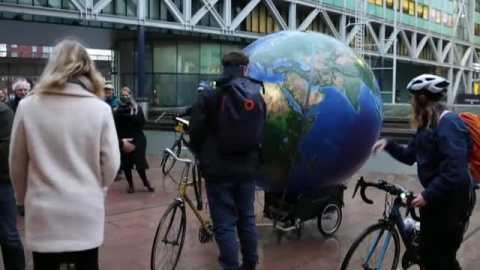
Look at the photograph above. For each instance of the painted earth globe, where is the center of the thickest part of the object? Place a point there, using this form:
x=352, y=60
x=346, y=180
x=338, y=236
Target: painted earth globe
x=324, y=110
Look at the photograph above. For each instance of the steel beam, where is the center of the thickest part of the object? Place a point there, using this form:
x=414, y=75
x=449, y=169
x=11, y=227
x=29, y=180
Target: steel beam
x=309, y=19
x=330, y=25
x=100, y=6
x=407, y=42
x=78, y=5
x=174, y=10
x=244, y=13
x=466, y=56
x=374, y=36
x=434, y=48
x=420, y=46
x=445, y=52
x=352, y=34
x=203, y=11
x=278, y=17
x=215, y=14
x=393, y=36
x=142, y=12
x=343, y=27
x=41, y=11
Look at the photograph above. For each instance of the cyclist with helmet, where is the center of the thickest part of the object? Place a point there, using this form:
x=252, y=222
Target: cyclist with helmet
x=440, y=148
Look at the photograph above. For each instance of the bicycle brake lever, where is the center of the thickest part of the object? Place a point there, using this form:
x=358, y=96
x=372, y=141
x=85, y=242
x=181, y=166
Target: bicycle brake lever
x=359, y=183
x=364, y=196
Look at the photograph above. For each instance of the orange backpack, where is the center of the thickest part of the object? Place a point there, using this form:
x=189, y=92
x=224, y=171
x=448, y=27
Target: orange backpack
x=472, y=121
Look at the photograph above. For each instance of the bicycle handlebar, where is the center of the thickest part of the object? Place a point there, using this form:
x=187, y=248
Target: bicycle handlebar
x=389, y=188
x=184, y=160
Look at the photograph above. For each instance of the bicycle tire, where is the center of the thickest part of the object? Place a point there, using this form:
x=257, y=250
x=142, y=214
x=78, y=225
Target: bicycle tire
x=180, y=237
x=363, y=235
x=167, y=162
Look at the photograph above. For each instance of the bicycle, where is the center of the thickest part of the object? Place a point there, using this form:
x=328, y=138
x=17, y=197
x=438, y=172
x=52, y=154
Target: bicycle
x=393, y=224
x=172, y=227
x=167, y=160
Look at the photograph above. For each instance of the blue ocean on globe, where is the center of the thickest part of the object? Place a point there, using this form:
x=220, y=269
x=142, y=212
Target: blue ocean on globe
x=324, y=110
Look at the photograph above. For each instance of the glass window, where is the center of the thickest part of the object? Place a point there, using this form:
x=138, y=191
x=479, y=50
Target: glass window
x=477, y=5
x=371, y=2
x=405, y=6
x=165, y=57
x=432, y=15
x=420, y=11
x=425, y=13
x=120, y=7
x=438, y=17
x=187, y=85
x=188, y=60
x=379, y=2
x=127, y=54
x=444, y=18
x=210, y=59
x=450, y=20
x=132, y=8
x=165, y=90
x=477, y=29
x=411, y=8
x=390, y=3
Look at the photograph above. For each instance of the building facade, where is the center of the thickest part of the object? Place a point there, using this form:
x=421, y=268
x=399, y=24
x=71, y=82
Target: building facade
x=180, y=42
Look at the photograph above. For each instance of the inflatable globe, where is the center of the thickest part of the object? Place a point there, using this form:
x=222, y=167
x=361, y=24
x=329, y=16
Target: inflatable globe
x=324, y=110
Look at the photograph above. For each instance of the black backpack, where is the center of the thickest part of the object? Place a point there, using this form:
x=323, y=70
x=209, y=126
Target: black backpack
x=241, y=116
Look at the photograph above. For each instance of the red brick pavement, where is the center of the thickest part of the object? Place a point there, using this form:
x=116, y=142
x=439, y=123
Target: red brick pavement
x=132, y=219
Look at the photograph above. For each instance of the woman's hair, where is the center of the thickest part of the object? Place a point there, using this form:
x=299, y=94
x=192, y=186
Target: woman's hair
x=5, y=96
x=21, y=83
x=69, y=60
x=424, y=112
x=132, y=99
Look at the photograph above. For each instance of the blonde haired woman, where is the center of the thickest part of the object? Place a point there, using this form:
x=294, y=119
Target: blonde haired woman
x=129, y=120
x=440, y=148
x=64, y=153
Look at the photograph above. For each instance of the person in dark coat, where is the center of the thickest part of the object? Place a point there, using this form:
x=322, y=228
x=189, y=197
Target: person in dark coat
x=129, y=120
x=10, y=243
x=20, y=88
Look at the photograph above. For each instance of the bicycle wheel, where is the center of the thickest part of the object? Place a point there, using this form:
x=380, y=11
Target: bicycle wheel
x=374, y=254
x=329, y=219
x=167, y=161
x=169, y=238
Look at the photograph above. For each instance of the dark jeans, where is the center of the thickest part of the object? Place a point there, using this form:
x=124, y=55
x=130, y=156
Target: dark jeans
x=83, y=260
x=12, y=248
x=232, y=205
x=441, y=234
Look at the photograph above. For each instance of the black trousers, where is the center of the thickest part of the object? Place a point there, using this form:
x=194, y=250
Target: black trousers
x=83, y=260
x=441, y=234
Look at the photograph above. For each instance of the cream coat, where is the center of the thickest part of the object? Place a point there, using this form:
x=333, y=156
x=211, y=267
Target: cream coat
x=64, y=152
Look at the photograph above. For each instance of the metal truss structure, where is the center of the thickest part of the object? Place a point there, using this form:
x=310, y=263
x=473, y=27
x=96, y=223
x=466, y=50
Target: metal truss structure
x=457, y=53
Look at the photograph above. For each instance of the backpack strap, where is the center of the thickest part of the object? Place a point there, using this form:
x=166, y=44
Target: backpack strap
x=443, y=114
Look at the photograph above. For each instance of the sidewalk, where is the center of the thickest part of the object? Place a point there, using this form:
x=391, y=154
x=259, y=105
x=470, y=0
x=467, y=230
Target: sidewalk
x=132, y=220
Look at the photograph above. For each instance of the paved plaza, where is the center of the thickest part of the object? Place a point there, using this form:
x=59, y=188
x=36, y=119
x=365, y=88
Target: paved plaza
x=132, y=219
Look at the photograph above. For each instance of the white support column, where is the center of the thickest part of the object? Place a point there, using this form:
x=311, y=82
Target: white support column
x=434, y=49
x=374, y=36
x=450, y=98
x=227, y=13
x=292, y=16
x=214, y=13
x=142, y=10
x=244, y=13
x=309, y=19
x=420, y=46
x=343, y=27
x=352, y=34
x=187, y=10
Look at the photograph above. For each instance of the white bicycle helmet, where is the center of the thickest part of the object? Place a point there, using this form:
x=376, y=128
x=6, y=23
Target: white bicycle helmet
x=428, y=82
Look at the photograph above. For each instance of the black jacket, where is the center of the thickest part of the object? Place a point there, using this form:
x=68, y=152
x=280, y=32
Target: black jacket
x=131, y=126
x=13, y=104
x=213, y=164
x=6, y=121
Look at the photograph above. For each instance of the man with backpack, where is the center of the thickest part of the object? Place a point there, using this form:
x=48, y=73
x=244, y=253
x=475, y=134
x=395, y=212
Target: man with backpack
x=226, y=129
x=441, y=148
